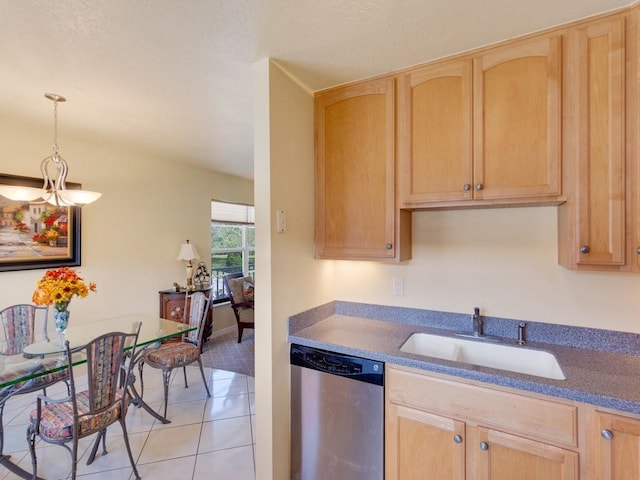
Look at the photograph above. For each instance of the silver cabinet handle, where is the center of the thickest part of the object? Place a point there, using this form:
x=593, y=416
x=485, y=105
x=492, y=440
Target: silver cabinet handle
x=637, y=249
x=584, y=249
x=389, y=246
x=606, y=434
x=457, y=438
x=466, y=187
x=479, y=186
x=484, y=446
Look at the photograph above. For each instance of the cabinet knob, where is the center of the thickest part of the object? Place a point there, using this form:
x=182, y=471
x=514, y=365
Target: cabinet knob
x=584, y=249
x=389, y=246
x=457, y=438
x=484, y=446
x=466, y=187
x=478, y=186
x=606, y=434
x=637, y=249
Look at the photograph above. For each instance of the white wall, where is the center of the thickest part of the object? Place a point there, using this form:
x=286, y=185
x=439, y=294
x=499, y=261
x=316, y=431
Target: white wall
x=503, y=260
x=292, y=281
x=132, y=234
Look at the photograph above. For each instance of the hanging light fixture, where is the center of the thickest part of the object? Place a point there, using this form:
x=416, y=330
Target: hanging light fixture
x=54, y=170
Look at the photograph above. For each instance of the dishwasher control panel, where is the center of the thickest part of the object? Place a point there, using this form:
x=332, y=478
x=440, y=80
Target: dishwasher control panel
x=340, y=364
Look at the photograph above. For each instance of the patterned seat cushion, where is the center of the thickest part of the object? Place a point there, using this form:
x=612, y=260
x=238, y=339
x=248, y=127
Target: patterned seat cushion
x=172, y=355
x=57, y=418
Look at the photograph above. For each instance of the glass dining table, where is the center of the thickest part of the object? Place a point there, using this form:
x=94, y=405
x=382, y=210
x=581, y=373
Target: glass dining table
x=24, y=365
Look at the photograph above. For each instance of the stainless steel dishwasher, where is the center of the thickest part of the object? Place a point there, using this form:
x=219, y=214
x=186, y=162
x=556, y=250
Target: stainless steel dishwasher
x=337, y=416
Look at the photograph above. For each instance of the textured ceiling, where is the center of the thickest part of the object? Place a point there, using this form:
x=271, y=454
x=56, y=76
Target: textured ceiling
x=174, y=77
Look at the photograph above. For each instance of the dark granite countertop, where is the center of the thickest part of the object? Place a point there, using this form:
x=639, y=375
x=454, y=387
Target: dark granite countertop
x=601, y=367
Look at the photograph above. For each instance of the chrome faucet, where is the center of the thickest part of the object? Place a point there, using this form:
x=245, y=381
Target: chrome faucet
x=478, y=323
x=521, y=333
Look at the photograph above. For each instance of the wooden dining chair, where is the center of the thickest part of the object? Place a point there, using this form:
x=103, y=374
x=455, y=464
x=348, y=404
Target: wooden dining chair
x=179, y=355
x=83, y=413
x=241, y=290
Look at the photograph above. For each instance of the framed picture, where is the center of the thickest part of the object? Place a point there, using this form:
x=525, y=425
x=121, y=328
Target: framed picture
x=36, y=235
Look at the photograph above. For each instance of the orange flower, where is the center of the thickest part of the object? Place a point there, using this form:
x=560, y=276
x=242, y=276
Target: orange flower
x=59, y=286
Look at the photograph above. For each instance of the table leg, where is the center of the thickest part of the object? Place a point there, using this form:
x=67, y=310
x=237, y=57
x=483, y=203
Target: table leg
x=136, y=398
x=15, y=469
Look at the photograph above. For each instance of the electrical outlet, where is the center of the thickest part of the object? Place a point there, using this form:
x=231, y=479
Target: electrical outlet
x=398, y=286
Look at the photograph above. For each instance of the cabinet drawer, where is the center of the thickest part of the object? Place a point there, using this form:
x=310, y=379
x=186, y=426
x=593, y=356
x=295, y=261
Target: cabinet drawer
x=548, y=421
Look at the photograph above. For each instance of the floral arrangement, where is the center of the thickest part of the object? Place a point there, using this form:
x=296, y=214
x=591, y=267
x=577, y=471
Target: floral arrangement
x=59, y=286
x=52, y=234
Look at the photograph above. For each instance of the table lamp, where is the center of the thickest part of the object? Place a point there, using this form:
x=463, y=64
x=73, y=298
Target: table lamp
x=188, y=252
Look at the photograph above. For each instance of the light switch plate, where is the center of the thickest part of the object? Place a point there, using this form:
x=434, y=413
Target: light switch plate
x=281, y=218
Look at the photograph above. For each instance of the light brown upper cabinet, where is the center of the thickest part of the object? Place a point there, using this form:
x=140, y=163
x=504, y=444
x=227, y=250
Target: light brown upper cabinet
x=592, y=224
x=356, y=216
x=434, y=125
x=483, y=128
x=633, y=137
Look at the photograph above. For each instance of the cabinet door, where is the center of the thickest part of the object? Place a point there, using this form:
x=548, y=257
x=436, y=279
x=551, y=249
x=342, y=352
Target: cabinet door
x=517, y=120
x=600, y=149
x=495, y=455
x=172, y=306
x=633, y=139
x=618, y=448
x=419, y=445
x=434, y=133
x=355, y=155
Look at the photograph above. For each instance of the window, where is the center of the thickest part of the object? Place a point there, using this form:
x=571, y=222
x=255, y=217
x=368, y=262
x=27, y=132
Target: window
x=232, y=240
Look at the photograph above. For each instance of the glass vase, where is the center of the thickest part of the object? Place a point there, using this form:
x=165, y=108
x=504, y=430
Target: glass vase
x=62, y=321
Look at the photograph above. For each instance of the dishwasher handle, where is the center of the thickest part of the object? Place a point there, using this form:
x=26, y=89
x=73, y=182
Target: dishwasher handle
x=356, y=368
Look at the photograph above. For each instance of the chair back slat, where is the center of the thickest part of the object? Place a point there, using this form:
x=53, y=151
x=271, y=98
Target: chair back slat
x=105, y=357
x=198, y=307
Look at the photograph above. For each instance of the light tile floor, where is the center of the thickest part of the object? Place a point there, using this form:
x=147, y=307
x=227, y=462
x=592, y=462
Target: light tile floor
x=207, y=437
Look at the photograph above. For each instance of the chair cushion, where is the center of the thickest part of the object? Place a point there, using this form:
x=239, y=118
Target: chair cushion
x=172, y=355
x=236, y=285
x=56, y=422
x=246, y=315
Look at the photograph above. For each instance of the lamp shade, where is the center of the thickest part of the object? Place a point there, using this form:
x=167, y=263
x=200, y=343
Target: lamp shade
x=187, y=252
x=27, y=194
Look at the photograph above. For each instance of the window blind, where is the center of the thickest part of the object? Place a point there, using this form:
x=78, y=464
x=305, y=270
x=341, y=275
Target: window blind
x=232, y=213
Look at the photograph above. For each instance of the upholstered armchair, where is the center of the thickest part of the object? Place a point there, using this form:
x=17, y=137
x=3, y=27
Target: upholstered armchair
x=241, y=291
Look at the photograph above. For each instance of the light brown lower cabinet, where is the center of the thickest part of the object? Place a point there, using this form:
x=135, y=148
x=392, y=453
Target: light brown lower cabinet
x=496, y=455
x=617, y=447
x=422, y=445
x=437, y=428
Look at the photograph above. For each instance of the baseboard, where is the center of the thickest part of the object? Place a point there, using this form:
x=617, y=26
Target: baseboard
x=224, y=331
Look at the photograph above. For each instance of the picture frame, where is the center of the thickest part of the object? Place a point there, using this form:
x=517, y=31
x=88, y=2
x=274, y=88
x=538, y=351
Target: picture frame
x=37, y=235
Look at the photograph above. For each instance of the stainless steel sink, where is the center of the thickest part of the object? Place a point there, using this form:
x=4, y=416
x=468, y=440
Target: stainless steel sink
x=492, y=355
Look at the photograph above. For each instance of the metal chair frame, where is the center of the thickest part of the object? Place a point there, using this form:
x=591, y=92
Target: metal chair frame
x=197, y=306
x=109, y=368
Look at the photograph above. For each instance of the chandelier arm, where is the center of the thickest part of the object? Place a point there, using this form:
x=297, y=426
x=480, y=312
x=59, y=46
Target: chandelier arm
x=45, y=174
x=63, y=168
